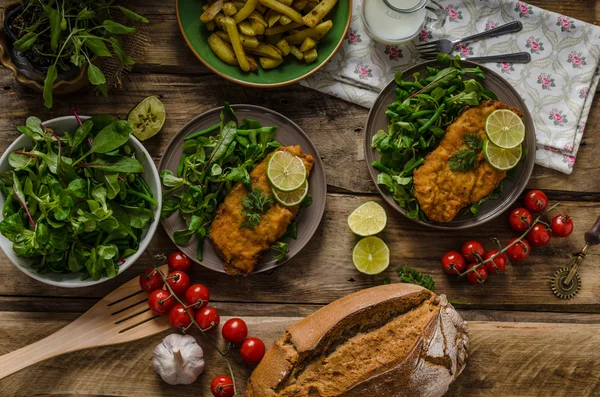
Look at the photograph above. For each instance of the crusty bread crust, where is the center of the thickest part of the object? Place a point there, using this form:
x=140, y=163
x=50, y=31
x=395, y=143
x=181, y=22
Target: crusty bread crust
x=422, y=364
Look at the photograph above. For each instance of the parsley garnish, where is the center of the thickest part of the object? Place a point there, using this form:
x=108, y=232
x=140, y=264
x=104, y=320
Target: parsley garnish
x=465, y=159
x=281, y=250
x=256, y=204
x=413, y=276
x=474, y=141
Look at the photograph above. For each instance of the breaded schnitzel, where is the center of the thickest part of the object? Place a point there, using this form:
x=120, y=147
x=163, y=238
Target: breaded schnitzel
x=441, y=192
x=239, y=247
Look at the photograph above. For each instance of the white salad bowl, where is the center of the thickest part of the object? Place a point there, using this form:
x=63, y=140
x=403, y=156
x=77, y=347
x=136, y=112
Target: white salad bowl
x=73, y=280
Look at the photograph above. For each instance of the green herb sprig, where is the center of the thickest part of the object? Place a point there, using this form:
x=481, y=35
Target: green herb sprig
x=465, y=160
x=413, y=276
x=255, y=205
x=69, y=33
x=281, y=250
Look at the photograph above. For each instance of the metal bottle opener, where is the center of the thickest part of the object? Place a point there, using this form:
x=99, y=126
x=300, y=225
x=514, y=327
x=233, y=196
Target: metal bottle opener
x=566, y=282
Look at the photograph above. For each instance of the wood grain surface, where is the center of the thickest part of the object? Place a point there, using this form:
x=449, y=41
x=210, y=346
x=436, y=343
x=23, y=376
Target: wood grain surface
x=525, y=342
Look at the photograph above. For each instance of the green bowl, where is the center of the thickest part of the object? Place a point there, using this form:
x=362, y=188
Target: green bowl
x=290, y=71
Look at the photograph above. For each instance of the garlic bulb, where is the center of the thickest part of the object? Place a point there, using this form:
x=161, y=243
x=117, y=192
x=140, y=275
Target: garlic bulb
x=178, y=359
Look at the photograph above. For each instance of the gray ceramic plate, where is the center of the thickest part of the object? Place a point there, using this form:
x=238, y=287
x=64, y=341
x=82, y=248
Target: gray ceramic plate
x=288, y=133
x=513, y=186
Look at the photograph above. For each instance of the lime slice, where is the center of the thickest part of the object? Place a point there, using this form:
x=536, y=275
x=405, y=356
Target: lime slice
x=147, y=118
x=368, y=219
x=371, y=255
x=505, y=128
x=290, y=199
x=285, y=171
x=502, y=159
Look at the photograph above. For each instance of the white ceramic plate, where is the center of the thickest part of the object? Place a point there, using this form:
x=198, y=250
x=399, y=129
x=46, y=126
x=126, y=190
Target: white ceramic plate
x=73, y=280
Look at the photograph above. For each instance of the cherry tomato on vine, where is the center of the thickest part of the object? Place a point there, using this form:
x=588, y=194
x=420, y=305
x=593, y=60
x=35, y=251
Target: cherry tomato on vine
x=252, y=350
x=222, y=386
x=470, y=248
x=539, y=235
x=179, y=282
x=562, y=225
x=160, y=301
x=520, y=219
x=179, y=318
x=235, y=330
x=478, y=276
x=536, y=201
x=150, y=280
x=179, y=261
x=197, y=293
x=496, y=265
x=453, y=262
x=519, y=251
x=208, y=318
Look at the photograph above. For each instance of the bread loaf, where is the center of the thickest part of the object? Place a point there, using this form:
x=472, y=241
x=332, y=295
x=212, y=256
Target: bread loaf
x=394, y=340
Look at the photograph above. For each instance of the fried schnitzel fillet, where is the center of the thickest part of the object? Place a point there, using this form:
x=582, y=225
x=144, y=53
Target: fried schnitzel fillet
x=240, y=248
x=441, y=192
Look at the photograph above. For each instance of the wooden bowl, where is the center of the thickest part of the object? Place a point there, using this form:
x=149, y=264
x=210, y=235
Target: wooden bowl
x=61, y=87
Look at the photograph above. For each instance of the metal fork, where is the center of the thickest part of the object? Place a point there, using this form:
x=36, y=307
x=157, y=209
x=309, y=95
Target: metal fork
x=445, y=45
x=517, y=57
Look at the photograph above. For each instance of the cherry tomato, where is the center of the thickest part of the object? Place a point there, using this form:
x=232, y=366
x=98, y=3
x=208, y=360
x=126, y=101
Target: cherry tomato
x=536, y=201
x=518, y=252
x=520, y=219
x=453, y=262
x=235, y=330
x=470, y=248
x=179, y=318
x=197, y=293
x=179, y=282
x=160, y=301
x=496, y=265
x=252, y=350
x=478, y=276
x=150, y=280
x=562, y=225
x=539, y=235
x=222, y=386
x=208, y=318
x=178, y=261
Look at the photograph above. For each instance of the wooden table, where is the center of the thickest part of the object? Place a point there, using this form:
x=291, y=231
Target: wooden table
x=524, y=341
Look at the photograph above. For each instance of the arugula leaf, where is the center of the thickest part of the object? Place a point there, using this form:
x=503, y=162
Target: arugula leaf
x=132, y=15
x=281, y=250
x=24, y=43
x=117, y=28
x=121, y=164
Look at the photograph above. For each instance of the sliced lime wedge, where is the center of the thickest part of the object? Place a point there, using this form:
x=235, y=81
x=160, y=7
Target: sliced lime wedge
x=147, y=118
x=368, y=219
x=290, y=199
x=505, y=129
x=285, y=171
x=502, y=159
x=371, y=255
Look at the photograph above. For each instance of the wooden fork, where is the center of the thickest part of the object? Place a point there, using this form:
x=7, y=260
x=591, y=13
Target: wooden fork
x=121, y=316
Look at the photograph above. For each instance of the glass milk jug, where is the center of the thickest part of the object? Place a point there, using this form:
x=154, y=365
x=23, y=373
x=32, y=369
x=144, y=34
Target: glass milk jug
x=398, y=21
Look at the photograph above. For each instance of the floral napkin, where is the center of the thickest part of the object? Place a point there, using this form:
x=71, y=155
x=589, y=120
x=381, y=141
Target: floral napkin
x=557, y=86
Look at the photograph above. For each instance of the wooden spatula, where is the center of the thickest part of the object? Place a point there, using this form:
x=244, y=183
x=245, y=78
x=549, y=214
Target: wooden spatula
x=121, y=316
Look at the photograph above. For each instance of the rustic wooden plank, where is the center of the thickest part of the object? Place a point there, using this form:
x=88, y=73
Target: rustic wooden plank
x=324, y=270
x=525, y=359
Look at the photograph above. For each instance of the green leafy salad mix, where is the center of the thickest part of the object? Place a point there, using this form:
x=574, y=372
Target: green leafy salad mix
x=76, y=202
x=425, y=106
x=213, y=160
